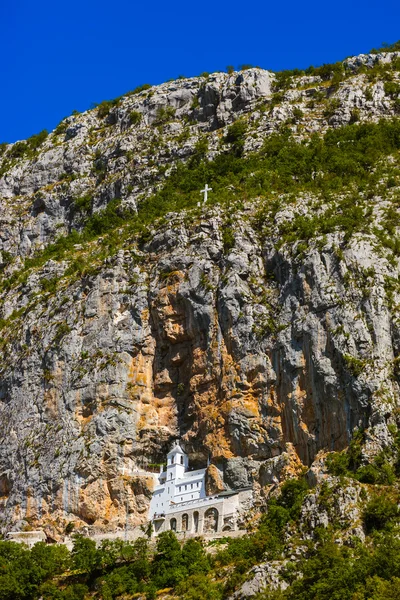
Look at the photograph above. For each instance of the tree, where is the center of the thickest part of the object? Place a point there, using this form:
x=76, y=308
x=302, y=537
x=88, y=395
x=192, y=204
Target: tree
x=84, y=554
x=51, y=560
x=194, y=557
x=168, y=568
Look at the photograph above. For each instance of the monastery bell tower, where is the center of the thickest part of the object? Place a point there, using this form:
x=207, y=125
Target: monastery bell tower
x=177, y=463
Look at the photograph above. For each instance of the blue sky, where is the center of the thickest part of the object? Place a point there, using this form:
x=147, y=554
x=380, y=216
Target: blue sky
x=60, y=56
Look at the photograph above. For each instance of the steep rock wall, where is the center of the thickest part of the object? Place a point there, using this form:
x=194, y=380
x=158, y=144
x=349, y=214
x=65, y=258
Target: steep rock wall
x=259, y=354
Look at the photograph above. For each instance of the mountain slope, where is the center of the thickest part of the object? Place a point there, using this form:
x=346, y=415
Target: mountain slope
x=261, y=328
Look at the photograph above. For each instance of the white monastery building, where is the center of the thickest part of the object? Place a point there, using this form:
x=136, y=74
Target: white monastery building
x=180, y=502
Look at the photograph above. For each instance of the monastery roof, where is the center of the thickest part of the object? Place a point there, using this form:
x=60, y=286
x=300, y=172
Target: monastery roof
x=176, y=449
x=188, y=474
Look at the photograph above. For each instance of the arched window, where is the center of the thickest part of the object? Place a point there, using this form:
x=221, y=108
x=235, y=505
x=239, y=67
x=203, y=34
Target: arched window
x=196, y=521
x=181, y=460
x=172, y=524
x=173, y=460
x=185, y=522
x=211, y=520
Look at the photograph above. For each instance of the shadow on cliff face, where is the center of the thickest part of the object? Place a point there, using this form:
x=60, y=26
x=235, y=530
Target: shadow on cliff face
x=234, y=391
x=319, y=388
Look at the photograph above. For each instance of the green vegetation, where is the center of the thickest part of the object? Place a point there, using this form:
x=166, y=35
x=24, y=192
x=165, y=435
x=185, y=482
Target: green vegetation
x=236, y=136
x=334, y=73
x=228, y=239
x=61, y=128
x=135, y=117
x=341, y=572
x=117, y=567
x=21, y=150
x=321, y=568
x=139, y=89
x=27, y=149
x=104, y=107
x=83, y=203
x=164, y=114
x=382, y=470
x=354, y=365
x=392, y=89
x=113, y=569
x=343, y=169
x=395, y=47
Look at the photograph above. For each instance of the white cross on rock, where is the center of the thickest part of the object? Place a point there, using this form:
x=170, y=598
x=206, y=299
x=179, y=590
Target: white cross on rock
x=205, y=192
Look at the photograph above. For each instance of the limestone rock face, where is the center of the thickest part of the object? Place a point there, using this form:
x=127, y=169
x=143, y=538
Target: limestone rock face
x=258, y=355
x=213, y=481
x=265, y=576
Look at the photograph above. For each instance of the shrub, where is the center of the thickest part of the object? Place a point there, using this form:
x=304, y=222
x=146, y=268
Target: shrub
x=49, y=285
x=199, y=587
x=18, y=150
x=83, y=203
x=353, y=364
x=331, y=108
x=354, y=115
x=139, y=89
x=235, y=132
x=61, y=127
x=104, y=107
x=27, y=148
x=165, y=114
x=195, y=103
x=292, y=494
x=37, y=140
x=69, y=527
x=84, y=554
x=368, y=94
x=328, y=71
x=228, y=239
x=338, y=463
x=392, y=89
x=168, y=567
x=135, y=117
x=297, y=114
x=236, y=136
x=380, y=512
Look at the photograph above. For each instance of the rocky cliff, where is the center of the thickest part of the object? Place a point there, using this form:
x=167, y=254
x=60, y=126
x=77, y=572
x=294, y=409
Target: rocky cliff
x=260, y=343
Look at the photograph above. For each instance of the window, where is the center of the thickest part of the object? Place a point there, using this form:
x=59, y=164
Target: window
x=185, y=522
x=173, y=460
x=181, y=498
x=185, y=487
x=191, y=487
x=181, y=460
x=196, y=521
